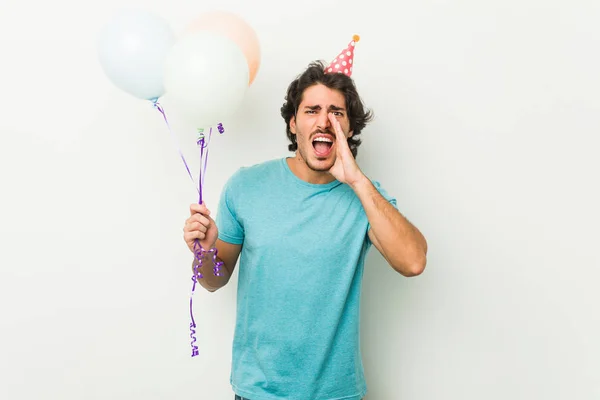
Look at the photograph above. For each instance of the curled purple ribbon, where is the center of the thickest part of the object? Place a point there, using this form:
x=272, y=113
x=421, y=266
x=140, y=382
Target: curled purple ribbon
x=199, y=252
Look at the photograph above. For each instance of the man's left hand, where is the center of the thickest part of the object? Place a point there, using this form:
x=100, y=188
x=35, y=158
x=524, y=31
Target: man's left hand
x=345, y=169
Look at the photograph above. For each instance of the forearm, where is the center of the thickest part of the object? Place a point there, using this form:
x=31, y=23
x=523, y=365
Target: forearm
x=209, y=280
x=399, y=241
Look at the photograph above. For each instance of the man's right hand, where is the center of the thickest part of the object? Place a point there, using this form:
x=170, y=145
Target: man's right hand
x=200, y=226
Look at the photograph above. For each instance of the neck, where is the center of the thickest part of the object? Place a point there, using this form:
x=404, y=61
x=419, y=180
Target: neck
x=307, y=174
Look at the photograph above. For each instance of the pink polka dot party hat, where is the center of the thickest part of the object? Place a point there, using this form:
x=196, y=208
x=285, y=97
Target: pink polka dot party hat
x=342, y=64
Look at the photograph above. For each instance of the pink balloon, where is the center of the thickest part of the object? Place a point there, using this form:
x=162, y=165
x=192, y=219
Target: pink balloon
x=236, y=29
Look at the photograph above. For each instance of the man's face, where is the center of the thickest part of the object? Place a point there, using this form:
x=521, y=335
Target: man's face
x=314, y=134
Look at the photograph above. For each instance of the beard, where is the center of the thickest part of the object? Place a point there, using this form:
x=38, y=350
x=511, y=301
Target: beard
x=315, y=165
x=312, y=161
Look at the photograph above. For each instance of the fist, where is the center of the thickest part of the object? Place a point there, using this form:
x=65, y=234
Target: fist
x=200, y=226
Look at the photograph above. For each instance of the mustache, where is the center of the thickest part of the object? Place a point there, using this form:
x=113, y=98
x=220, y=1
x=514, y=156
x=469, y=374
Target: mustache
x=326, y=131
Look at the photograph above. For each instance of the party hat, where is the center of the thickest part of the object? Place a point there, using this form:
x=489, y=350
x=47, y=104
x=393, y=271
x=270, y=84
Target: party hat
x=343, y=62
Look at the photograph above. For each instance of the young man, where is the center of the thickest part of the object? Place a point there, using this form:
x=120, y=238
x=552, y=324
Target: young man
x=303, y=226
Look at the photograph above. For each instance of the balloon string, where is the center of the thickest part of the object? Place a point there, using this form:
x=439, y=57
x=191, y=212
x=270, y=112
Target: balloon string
x=195, y=351
x=202, y=143
x=199, y=252
x=162, y=111
x=205, y=157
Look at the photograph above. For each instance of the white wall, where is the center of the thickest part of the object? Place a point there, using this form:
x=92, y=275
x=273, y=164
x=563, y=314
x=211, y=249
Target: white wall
x=487, y=132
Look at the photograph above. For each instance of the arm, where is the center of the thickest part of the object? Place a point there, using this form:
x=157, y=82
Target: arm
x=399, y=242
x=228, y=254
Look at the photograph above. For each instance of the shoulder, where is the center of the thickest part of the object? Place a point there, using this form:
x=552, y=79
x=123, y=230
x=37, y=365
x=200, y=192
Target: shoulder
x=249, y=176
x=260, y=168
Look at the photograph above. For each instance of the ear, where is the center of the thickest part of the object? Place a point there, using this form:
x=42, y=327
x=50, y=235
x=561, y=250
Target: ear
x=293, y=124
x=349, y=135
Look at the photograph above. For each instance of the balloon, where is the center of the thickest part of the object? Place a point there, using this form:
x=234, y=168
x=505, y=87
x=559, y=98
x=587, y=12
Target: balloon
x=236, y=29
x=206, y=78
x=132, y=49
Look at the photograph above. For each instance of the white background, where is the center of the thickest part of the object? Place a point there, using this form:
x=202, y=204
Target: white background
x=486, y=130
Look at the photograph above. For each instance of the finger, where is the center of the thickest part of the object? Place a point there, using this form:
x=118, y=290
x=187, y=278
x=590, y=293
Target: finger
x=195, y=226
x=206, y=221
x=198, y=218
x=190, y=237
x=199, y=209
x=340, y=138
x=339, y=133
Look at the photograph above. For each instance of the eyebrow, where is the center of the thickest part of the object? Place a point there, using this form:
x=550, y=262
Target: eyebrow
x=330, y=108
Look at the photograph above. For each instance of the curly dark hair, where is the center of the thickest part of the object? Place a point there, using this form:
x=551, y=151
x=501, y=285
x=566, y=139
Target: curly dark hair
x=315, y=74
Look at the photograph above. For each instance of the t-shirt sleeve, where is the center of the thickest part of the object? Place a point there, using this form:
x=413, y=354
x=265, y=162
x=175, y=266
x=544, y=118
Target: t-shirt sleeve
x=230, y=228
x=387, y=196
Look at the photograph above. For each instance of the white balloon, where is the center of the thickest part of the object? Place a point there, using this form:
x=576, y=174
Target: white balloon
x=132, y=48
x=206, y=78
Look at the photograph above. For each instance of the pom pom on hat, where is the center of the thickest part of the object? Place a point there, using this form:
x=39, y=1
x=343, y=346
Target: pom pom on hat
x=342, y=64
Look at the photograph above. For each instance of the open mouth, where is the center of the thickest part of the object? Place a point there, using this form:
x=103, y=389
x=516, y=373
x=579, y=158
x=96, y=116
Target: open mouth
x=322, y=146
